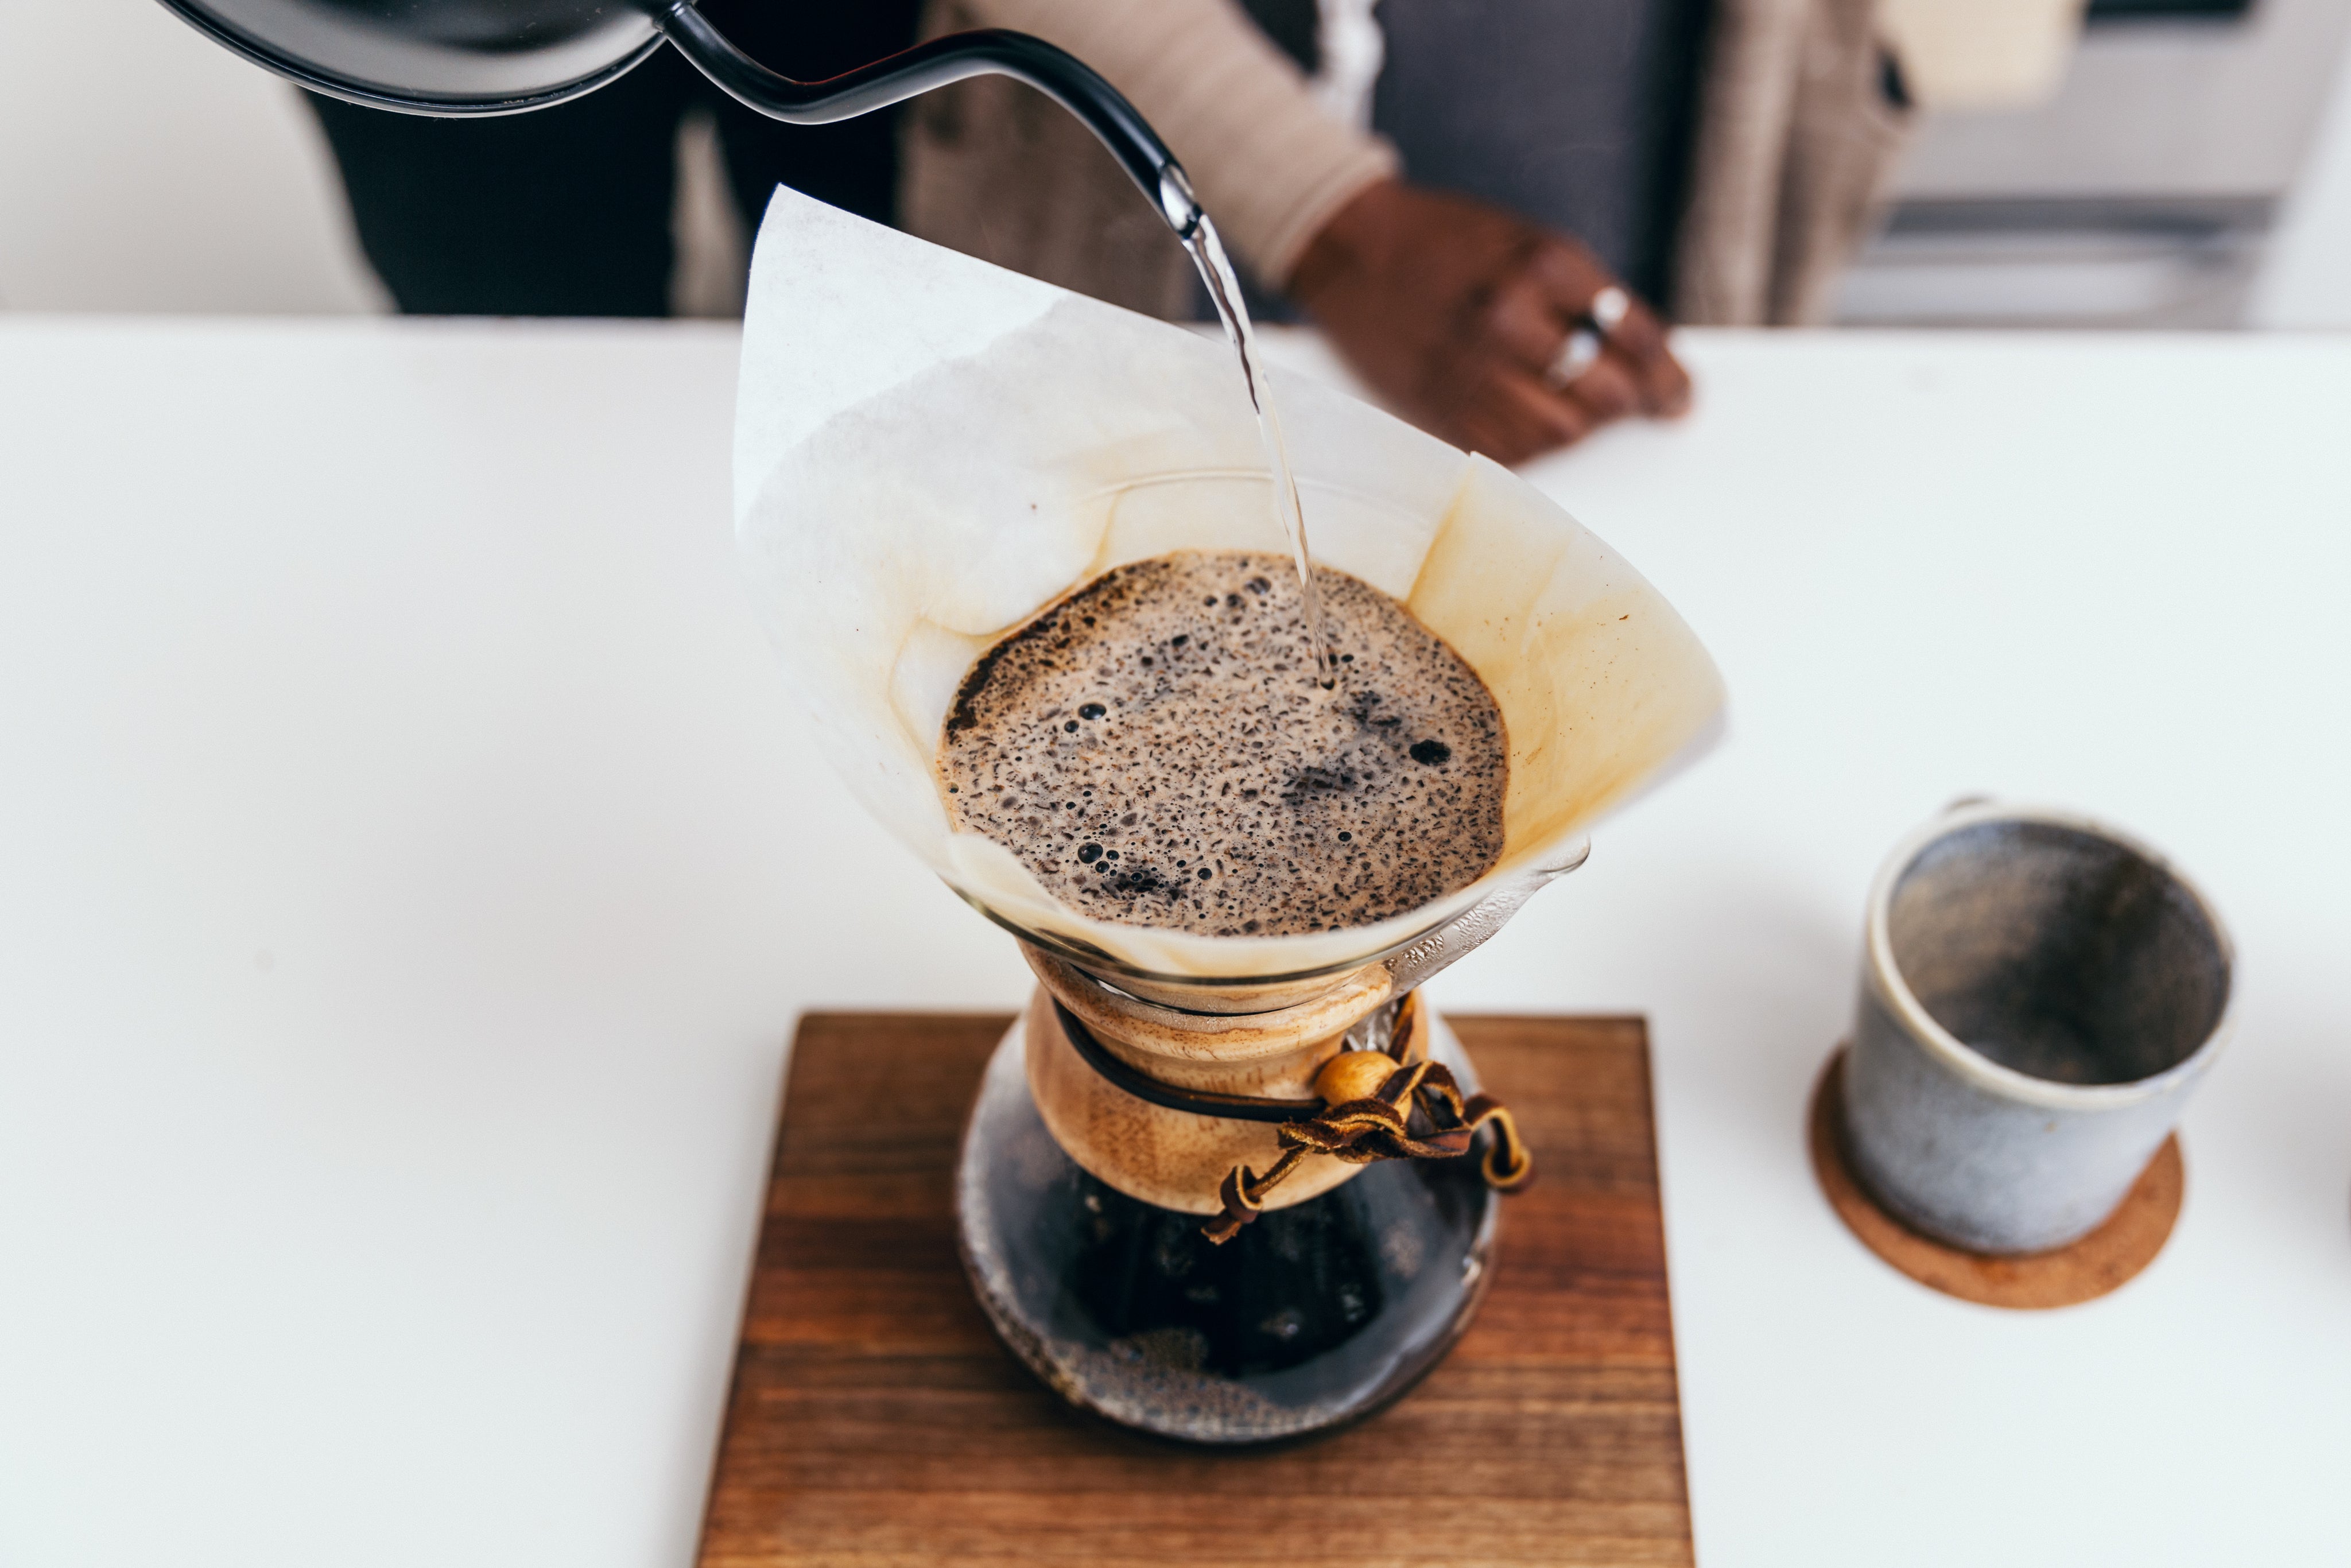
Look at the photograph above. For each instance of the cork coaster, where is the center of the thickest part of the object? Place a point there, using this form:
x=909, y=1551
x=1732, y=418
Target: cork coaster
x=2083, y=1271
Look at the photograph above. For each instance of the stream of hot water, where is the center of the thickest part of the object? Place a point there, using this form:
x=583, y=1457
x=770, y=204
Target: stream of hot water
x=1225, y=290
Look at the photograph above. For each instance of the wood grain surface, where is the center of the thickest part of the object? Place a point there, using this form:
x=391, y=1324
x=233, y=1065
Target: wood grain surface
x=876, y=1420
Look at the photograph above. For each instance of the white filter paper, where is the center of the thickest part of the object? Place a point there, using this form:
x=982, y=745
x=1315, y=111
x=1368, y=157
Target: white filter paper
x=930, y=449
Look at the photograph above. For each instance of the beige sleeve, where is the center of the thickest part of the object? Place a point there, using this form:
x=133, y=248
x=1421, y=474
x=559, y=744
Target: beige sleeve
x=1269, y=164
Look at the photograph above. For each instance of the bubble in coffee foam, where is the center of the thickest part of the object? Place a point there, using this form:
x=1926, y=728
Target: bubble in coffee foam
x=1156, y=751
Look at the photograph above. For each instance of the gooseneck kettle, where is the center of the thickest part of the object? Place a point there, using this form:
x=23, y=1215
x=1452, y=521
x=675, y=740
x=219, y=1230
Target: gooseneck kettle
x=504, y=57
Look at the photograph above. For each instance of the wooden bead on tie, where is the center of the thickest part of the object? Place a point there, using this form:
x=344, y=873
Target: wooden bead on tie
x=1352, y=1075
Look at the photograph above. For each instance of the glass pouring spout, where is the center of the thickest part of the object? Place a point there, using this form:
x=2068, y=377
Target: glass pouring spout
x=466, y=58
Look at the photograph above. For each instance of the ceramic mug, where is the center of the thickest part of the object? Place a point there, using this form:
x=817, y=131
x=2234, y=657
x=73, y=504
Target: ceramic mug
x=2039, y=993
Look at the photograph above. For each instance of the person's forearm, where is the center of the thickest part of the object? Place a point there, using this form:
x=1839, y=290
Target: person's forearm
x=1270, y=166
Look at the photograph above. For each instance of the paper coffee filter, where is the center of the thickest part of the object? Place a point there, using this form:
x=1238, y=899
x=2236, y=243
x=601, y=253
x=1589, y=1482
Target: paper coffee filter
x=930, y=449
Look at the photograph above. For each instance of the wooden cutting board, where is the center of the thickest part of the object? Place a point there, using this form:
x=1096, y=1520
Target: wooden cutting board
x=876, y=1420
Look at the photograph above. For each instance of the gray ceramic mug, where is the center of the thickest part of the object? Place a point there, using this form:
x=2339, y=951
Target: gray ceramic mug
x=2039, y=995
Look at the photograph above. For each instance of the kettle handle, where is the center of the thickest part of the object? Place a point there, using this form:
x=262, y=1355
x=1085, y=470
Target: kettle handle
x=1055, y=72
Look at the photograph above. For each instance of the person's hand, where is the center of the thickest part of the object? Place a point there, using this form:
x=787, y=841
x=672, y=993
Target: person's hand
x=1459, y=314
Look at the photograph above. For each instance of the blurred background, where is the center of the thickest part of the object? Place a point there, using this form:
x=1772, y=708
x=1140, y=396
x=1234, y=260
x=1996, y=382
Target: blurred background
x=2190, y=167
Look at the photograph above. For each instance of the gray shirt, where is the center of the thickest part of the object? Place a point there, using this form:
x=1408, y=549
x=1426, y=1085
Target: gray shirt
x=1574, y=113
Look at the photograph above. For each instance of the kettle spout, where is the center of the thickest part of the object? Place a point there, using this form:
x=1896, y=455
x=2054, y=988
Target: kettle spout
x=993, y=51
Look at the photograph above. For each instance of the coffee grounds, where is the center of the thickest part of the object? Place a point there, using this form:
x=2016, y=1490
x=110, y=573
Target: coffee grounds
x=1155, y=750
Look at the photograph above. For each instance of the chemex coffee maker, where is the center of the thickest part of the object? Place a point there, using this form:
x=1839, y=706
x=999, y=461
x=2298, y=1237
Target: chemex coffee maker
x=1228, y=1189
x=456, y=58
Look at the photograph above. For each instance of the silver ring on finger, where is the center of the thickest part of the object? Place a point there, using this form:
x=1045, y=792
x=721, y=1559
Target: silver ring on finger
x=1607, y=310
x=1588, y=336
x=1577, y=355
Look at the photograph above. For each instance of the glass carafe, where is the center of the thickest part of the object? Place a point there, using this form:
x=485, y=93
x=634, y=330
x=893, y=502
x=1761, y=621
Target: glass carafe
x=1091, y=1169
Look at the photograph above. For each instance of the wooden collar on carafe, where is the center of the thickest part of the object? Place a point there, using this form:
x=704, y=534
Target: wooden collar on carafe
x=1363, y=1113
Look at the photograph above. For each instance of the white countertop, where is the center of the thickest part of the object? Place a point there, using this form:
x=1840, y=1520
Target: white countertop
x=410, y=873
